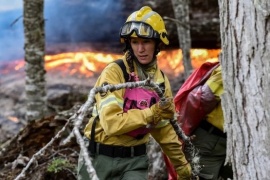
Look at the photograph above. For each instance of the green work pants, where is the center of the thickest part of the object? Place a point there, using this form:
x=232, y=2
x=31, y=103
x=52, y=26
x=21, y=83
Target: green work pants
x=108, y=168
x=212, y=152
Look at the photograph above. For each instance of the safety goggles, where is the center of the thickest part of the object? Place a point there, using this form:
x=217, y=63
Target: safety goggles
x=140, y=28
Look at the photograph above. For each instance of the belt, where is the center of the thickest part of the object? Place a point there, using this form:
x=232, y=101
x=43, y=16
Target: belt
x=212, y=129
x=120, y=151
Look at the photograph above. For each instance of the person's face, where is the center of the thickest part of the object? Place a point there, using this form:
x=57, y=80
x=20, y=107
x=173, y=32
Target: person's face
x=143, y=49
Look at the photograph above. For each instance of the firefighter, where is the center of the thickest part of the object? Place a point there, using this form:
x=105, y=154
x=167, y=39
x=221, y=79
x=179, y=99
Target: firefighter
x=123, y=120
x=210, y=137
x=198, y=103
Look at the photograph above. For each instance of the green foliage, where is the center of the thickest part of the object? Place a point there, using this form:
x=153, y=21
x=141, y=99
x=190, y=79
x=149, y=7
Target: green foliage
x=58, y=164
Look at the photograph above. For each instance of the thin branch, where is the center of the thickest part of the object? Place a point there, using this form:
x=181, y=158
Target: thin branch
x=176, y=21
x=16, y=20
x=193, y=152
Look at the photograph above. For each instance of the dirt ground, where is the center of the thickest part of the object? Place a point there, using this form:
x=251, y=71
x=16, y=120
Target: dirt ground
x=55, y=162
x=20, y=141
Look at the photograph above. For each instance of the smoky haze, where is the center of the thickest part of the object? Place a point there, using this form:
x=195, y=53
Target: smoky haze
x=11, y=35
x=66, y=21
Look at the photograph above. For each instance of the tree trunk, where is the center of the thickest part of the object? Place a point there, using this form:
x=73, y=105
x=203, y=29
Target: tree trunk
x=245, y=37
x=181, y=11
x=34, y=47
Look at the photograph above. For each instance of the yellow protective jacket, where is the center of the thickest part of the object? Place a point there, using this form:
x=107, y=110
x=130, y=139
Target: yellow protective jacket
x=215, y=117
x=113, y=123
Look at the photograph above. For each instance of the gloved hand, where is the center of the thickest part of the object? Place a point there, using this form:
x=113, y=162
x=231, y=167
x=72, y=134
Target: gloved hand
x=164, y=109
x=184, y=172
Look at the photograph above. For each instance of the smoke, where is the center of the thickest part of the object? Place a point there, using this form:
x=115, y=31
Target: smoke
x=66, y=21
x=11, y=34
x=83, y=21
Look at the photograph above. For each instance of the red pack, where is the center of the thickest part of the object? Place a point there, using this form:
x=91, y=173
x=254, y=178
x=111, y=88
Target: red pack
x=190, y=111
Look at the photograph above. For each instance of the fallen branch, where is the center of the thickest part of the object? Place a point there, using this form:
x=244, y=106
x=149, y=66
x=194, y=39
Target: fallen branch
x=193, y=153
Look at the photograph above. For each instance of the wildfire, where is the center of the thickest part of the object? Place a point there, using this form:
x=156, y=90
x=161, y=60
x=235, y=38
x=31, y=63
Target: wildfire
x=13, y=118
x=86, y=64
x=171, y=62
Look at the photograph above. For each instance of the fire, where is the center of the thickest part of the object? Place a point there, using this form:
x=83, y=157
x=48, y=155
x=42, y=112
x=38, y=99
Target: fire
x=171, y=61
x=13, y=118
x=87, y=64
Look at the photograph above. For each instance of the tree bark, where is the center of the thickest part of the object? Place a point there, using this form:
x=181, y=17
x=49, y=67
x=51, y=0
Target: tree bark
x=181, y=12
x=34, y=47
x=245, y=39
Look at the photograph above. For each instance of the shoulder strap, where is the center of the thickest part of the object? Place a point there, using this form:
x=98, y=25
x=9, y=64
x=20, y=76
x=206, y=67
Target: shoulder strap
x=162, y=85
x=92, y=145
x=162, y=74
x=121, y=64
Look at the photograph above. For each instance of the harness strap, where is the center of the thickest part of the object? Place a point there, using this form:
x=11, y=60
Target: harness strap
x=93, y=143
x=120, y=63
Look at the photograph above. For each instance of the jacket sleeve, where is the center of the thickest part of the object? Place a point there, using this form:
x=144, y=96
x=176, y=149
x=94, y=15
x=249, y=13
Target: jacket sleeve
x=172, y=147
x=110, y=105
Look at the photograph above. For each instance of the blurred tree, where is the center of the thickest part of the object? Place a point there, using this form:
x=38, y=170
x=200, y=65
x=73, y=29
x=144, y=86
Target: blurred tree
x=181, y=12
x=34, y=47
x=245, y=39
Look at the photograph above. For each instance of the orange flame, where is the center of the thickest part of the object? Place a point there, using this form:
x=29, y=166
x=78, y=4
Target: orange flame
x=13, y=118
x=90, y=62
x=86, y=64
x=172, y=61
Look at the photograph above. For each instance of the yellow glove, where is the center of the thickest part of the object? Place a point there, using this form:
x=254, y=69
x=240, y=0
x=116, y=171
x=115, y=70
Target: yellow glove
x=164, y=109
x=184, y=172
